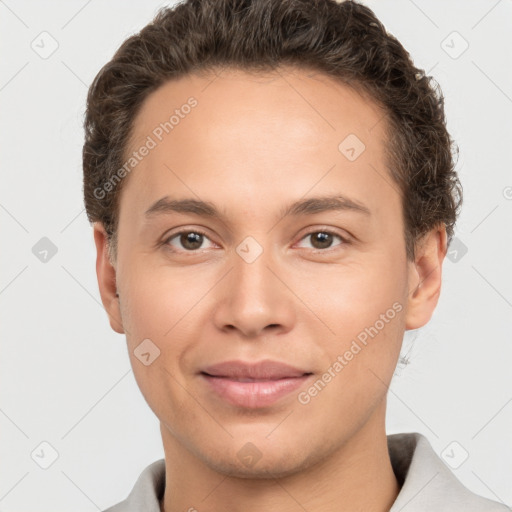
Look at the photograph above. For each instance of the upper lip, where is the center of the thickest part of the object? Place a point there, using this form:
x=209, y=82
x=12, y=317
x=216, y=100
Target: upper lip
x=268, y=369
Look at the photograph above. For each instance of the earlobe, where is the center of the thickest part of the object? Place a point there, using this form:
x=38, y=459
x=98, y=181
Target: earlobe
x=425, y=275
x=106, y=275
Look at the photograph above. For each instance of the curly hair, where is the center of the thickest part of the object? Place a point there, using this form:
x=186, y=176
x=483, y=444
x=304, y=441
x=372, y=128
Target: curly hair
x=343, y=40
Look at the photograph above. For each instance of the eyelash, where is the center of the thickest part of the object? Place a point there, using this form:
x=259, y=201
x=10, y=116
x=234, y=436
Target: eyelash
x=165, y=242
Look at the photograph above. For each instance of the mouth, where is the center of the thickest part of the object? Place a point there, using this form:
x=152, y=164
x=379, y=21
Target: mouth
x=253, y=386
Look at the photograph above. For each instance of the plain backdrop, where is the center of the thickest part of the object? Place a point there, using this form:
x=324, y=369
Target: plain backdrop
x=68, y=398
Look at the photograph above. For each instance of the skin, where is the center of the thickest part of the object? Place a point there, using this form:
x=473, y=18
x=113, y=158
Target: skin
x=252, y=145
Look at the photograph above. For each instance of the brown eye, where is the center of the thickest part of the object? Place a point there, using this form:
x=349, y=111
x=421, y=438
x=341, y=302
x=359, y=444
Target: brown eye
x=191, y=240
x=188, y=241
x=323, y=239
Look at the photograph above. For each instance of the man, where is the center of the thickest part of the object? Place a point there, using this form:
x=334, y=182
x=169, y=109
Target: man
x=273, y=191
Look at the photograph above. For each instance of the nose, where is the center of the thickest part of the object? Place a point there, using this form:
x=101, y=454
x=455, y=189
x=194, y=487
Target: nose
x=254, y=299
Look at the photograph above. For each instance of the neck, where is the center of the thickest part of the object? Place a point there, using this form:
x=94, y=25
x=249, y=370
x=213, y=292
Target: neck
x=357, y=476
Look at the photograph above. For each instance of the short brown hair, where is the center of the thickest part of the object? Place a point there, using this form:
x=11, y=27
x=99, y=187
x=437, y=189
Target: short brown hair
x=343, y=40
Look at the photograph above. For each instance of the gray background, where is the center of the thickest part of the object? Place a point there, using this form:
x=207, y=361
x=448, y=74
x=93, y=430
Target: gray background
x=66, y=377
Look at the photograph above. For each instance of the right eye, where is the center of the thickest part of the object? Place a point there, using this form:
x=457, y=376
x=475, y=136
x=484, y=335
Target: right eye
x=189, y=239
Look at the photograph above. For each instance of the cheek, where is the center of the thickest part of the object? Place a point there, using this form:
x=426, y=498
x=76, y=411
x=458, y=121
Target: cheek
x=364, y=309
x=354, y=295
x=355, y=380
x=158, y=306
x=158, y=300
x=163, y=304
x=152, y=312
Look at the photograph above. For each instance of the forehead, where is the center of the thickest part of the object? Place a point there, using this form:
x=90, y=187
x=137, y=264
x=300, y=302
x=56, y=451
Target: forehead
x=277, y=134
x=303, y=102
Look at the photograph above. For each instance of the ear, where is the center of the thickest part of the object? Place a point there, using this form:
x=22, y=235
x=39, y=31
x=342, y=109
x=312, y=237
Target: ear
x=425, y=277
x=106, y=274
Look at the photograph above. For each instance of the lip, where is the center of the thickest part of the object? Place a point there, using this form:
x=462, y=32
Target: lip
x=253, y=385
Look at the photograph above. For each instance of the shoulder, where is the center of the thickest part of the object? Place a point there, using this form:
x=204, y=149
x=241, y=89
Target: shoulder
x=146, y=492
x=427, y=482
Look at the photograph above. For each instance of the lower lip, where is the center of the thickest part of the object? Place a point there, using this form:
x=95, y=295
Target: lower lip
x=254, y=394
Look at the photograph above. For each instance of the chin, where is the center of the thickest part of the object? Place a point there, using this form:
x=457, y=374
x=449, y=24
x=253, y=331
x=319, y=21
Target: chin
x=260, y=471
x=267, y=462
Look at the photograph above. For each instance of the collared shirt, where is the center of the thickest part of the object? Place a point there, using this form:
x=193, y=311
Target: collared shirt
x=427, y=484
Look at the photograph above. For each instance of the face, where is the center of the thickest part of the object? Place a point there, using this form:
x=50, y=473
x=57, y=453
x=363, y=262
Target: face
x=289, y=249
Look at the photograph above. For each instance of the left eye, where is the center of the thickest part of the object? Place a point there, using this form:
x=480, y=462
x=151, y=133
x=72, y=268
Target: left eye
x=323, y=239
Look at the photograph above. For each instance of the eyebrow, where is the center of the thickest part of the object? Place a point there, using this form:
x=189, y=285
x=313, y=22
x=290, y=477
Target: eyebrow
x=310, y=206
